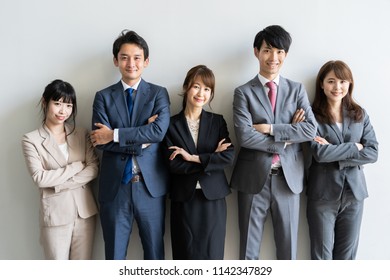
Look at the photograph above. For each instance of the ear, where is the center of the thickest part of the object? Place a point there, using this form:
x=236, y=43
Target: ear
x=255, y=51
x=146, y=62
x=115, y=61
x=43, y=102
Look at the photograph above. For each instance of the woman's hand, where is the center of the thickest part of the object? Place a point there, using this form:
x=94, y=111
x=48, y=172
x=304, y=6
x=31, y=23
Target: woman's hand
x=185, y=155
x=321, y=140
x=222, y=146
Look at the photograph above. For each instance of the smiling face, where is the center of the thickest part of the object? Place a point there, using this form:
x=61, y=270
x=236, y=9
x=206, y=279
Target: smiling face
x=334, y=88
x=270, y=59
x=198, y=94
x=58, y=112
x=131, y=63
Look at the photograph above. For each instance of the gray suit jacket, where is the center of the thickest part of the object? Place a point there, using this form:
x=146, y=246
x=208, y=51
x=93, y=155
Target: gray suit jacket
x=110, y=109
x=341, y=163
x=64, y=185
x=252, y=106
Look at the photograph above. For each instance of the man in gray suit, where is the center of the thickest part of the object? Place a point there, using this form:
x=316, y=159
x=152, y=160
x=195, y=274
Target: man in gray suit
x=269, y=171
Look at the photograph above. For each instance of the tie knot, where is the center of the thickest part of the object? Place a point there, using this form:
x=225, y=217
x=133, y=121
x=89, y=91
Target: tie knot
x=271, y=85
x=130, y=91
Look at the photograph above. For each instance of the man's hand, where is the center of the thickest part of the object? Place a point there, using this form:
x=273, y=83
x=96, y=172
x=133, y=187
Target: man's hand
x=150, y=120
x=263, y=128
x=299, y=116
x=102, y=135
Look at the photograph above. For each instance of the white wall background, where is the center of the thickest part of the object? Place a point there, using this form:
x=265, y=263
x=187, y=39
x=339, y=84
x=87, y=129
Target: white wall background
x=44, y=39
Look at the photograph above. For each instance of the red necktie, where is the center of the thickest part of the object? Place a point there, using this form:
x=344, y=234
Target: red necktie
x=272, y=98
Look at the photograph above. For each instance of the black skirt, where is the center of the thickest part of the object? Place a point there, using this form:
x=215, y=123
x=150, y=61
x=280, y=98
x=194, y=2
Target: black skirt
x=198, y=228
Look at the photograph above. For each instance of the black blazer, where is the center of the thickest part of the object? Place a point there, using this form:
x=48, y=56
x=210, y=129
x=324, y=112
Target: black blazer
x=210, y=173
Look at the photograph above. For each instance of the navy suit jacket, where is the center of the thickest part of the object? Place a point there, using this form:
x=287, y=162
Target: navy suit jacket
x=110, y=109
x=210, y=172
x=341, y=163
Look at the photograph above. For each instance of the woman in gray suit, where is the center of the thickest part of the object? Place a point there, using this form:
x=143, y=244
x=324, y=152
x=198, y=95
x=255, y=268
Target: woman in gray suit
x=336, y=184
x=61, y=161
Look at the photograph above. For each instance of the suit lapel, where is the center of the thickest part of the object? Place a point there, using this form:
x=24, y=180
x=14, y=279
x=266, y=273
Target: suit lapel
x=139, y=102
x=259, y=92
x=337, y=131
x=119, y=99
x=346, y=123
x=73, y=143
x=51, y=146
x=204, y=129
x=280, y=99
x=185, y=134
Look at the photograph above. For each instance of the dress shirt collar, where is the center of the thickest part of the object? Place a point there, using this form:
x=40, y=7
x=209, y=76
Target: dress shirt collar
x=264, y=80
x=126, y=86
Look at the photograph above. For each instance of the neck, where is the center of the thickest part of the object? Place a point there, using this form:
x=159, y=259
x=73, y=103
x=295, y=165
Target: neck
x=193, y=113
x=336, y=110
x=268, y=76
x=130, y=82
x=56, y=129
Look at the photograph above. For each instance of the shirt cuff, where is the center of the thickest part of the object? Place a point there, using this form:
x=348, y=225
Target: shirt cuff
x=116, y=135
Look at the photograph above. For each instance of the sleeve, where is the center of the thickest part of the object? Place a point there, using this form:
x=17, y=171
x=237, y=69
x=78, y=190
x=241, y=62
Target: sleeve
x=149, y=133
x=249, y=138
x=132, y=138
x=369, y=153
x=347, y=154
x=246, y=134
x=211, y=161
x=219, y=160
x=88, y=173
x=42, y=177
x=298, y=132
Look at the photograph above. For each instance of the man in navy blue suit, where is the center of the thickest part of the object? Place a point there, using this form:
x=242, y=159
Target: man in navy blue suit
x=130, y=119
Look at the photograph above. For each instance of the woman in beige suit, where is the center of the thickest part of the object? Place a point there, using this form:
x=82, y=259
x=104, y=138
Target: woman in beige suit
x=62, y=163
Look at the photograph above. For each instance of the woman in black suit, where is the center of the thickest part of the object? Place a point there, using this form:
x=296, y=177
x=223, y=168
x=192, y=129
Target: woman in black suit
x=199, y=149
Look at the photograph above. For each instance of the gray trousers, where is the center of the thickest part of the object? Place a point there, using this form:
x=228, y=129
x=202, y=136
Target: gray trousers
x=277, y=199
x=334, y=227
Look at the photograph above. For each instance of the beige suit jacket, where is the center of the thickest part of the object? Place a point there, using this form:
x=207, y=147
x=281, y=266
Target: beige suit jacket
x=64, y=185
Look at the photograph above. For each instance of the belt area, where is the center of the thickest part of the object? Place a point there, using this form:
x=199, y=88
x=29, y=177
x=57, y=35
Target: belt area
x=276, y=171
x=136, y=178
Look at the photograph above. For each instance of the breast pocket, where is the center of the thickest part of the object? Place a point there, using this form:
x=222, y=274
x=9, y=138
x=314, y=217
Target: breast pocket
x=288, y=111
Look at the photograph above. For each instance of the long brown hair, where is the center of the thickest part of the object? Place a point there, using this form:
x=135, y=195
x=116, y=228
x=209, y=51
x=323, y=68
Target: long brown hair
x=320, y=105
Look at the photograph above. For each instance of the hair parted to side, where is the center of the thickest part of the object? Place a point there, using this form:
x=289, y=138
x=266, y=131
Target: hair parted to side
x=207, y=77
x=274, y=36
x=130, y=37
x=55, y=91
x=321, y=106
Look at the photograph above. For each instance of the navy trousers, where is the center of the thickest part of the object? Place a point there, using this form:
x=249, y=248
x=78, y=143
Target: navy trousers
x=133, y=202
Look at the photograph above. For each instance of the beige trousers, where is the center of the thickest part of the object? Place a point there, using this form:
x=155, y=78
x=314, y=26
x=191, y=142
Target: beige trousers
x=69, y=242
